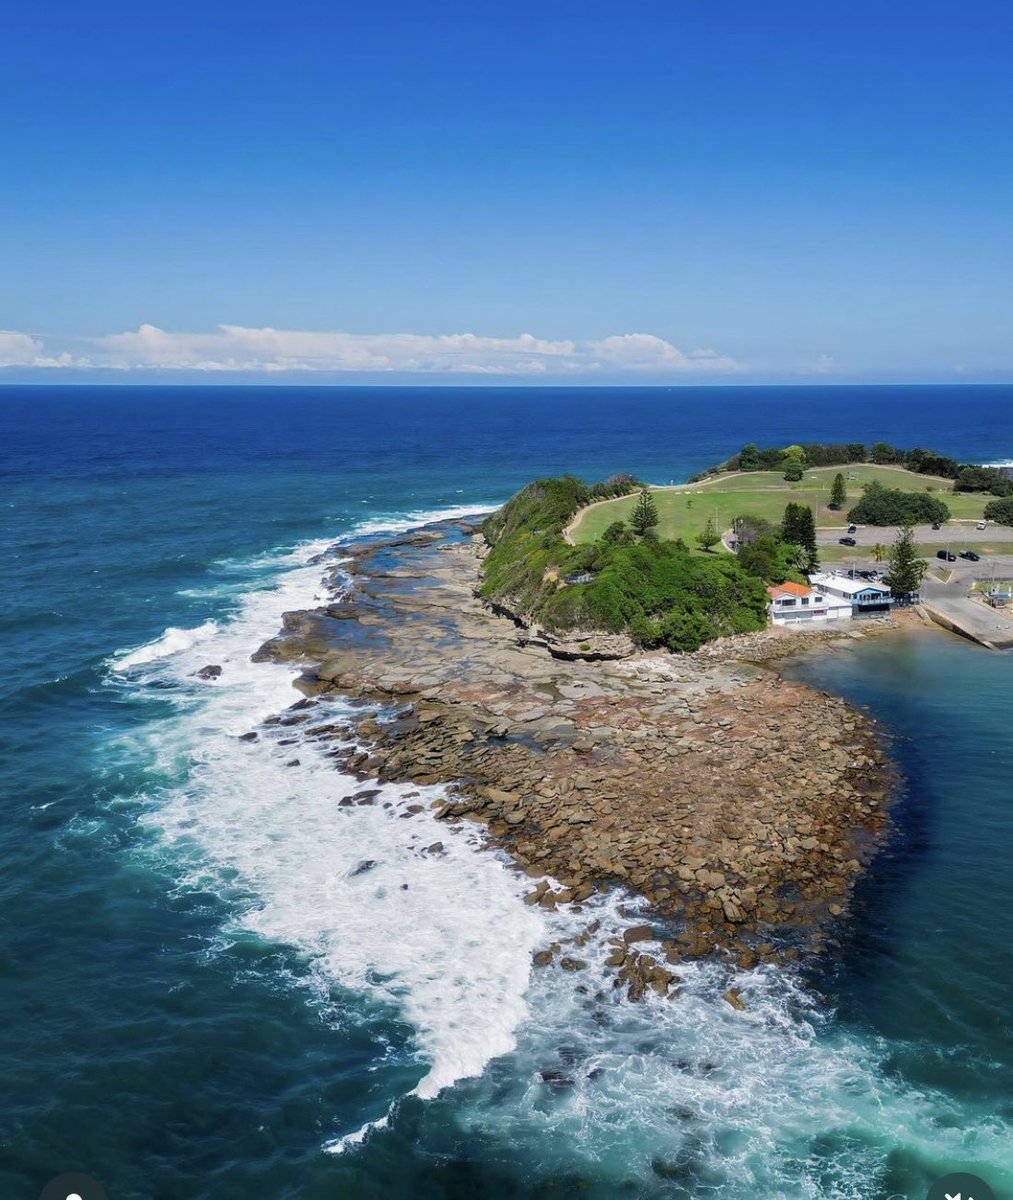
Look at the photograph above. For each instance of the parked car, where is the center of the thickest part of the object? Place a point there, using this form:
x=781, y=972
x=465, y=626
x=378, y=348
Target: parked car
x=970, y=555
x=847, y=541
x=852, y=529
x=936, y=525
x=947, y=555
x=982, y=524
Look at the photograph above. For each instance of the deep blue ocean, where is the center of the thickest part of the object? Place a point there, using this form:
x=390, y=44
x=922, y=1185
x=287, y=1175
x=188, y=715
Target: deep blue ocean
x=199, y=995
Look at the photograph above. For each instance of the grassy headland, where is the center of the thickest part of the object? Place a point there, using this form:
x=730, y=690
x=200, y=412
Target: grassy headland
x=684, y=508
x=653, y=589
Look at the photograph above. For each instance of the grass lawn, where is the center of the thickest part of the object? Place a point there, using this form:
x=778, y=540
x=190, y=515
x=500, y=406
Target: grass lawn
x=684, y=510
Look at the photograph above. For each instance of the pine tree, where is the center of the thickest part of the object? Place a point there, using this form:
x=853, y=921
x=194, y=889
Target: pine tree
x=907, y=570
x=709, y=536
x=838, y=492
x=645, y=513
x=799, y=527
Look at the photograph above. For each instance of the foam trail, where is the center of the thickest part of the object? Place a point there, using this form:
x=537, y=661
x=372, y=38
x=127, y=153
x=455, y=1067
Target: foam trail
x=351, y=1140
x=173, y=641
x=442, y=935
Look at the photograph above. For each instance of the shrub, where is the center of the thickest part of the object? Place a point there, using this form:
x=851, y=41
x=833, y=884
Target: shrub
x=1000, y=511
x=618, y=534
x=890, y=506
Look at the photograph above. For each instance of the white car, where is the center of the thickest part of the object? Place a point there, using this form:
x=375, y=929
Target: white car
x=982, y=524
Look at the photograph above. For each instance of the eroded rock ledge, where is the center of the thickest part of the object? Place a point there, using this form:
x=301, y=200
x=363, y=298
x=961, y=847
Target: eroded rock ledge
x=741, y=805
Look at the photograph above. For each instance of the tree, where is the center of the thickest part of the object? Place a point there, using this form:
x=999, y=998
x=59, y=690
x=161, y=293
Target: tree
x=792, y=471
x=890, y=506
x=838, y=492
x=749, y=457
x=883, y=452
x=617, y=534
x=906, y=569
x=1000, y=511
x=709, y=537
x=799, y=527
x=879, y=552
x=749, y=528
x=645, y=513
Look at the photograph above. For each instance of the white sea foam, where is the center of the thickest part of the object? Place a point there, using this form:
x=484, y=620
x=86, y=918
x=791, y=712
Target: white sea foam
x=780, y=1100
x=173, y=641
x=443, y=935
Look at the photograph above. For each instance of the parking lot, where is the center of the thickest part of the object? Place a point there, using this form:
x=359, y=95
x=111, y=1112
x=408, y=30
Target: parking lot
x=954, y=534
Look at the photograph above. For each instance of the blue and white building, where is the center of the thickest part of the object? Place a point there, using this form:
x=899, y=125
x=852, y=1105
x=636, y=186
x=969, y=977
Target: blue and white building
x=866, y=598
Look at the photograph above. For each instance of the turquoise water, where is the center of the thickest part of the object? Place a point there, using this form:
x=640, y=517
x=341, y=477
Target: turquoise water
x=203, y=998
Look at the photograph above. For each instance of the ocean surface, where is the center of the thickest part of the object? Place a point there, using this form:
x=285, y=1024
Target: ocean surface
x=202, y=997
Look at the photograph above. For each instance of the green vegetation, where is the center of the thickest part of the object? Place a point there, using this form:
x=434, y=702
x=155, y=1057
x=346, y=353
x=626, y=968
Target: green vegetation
x=1000, y=511
x=525, y=535
x=798, y=528
x=708, y=537
x=645, y=513
x=683, y=510
x=656, y=590
x=774, y=458
x=907, y=570
x=664, y=596
x=789, y=459
x=890, y=506
x=983, y=479
x=838, y=493
x=777, y=553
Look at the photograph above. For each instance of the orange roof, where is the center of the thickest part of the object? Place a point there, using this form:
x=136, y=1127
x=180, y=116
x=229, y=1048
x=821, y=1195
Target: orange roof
x=790, y=589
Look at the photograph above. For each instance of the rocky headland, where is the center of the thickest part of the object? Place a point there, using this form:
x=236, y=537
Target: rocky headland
x=740, y=805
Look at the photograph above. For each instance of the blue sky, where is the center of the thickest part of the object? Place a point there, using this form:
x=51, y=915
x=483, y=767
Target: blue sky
x=725, y=191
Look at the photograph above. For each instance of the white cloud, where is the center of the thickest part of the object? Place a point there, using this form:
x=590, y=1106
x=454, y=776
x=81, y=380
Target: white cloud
x=238, y=348
x=269, y=351
x=23, y=350
x=645, y=352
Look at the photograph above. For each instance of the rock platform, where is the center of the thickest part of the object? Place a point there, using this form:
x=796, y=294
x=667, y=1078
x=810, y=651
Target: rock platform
x=742, y=806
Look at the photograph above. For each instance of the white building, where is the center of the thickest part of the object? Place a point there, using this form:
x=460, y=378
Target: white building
x=796, y=604
x=863, y=596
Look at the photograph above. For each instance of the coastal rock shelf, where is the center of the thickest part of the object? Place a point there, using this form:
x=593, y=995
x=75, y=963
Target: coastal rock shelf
x=740, y=805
